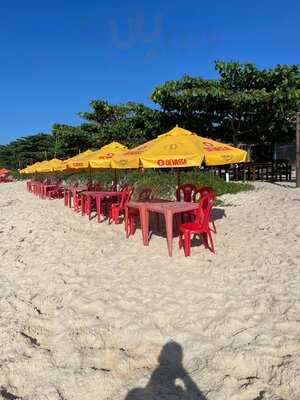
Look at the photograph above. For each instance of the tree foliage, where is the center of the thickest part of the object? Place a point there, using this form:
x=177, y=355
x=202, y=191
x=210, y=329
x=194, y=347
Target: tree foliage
x=245, y=105
x=27, y=150
x=130, y=123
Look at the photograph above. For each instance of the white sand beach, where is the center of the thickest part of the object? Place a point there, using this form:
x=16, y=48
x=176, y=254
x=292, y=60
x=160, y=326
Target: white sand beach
x=85, y=313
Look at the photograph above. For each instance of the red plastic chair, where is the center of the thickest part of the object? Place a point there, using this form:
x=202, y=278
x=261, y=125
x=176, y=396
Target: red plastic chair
x=57, y=193
x=117, y=208
x=199, y=226
x=185, y=192
x=206, y=191
x=77, y=201
x=144, y=195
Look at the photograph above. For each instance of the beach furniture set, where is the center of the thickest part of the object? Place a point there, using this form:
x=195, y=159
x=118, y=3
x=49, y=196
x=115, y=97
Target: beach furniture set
x=178, y=148
x=190, y=214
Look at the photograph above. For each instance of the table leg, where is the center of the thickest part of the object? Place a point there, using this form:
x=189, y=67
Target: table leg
x=89, y=206
x=84, y=202
x=144, y=218
x=169, y=228
x=98, y=208
x=74, y=200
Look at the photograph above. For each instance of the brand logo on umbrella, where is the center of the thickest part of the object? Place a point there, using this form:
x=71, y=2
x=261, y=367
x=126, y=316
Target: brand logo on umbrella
x=172, y=162
x=226, y=157
x=212, y=147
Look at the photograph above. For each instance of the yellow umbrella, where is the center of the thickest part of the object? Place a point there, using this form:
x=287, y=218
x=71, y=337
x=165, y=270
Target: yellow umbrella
x=49, y=166
x=216, y=153
x=28, y=169
x=24, y=170
x=178, y=148
x=102, y=158
x=97, y=159
x=33, y=168
x=64, y=166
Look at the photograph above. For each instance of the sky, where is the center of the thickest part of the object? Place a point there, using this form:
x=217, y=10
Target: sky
x=56, y=56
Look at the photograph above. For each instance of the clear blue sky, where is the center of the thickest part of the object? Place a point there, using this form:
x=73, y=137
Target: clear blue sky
x=58, y=55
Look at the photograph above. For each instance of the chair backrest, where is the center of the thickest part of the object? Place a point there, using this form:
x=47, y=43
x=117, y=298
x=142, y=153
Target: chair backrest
x=185, y=192
x=126, y=196
x=113, y=187
x=204, y=210
x=203, y=191
x=145, y=194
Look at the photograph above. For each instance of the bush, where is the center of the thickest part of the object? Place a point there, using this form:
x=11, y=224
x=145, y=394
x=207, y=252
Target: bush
x=163, y=183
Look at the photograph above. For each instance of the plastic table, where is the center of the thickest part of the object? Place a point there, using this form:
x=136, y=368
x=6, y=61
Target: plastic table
x=87, y=196
x=71, y=191
x=167, y=208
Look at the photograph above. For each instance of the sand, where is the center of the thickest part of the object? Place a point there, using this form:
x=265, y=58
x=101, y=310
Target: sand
x=86, y=314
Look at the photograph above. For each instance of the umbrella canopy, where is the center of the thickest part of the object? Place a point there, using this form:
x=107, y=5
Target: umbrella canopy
x=178, y=148
x=31, y=169
x=65, y=164
x=4, y=171
x=217, y=153
x=97, y=159
x=49, y=166
x=102, y=158
x=34, y=168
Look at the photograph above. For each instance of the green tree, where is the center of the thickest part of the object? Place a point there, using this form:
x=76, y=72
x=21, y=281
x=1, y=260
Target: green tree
x=130, y=123
x=27, y=150
x=245, y=105
x=70, y=140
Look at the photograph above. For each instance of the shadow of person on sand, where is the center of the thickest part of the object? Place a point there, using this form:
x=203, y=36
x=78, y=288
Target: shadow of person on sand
x=169, y=381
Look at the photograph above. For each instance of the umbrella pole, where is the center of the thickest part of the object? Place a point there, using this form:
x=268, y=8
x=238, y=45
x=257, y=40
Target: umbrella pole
x=90, y=173
x=178, y=178
x=115, y=178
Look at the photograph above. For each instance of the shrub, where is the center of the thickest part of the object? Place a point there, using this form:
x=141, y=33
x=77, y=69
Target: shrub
x=163, y=183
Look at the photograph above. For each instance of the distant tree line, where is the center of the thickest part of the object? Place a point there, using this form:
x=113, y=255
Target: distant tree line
x=245, y=105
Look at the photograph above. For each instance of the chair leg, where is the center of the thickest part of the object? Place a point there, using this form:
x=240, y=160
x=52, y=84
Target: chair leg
x=187, y=244
x=214, y=226
x=205, y=240
x=180, y=240
x=131, y=225
x=89, y=207
x=110, y=216
x=212, y=247
x=117, y=215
